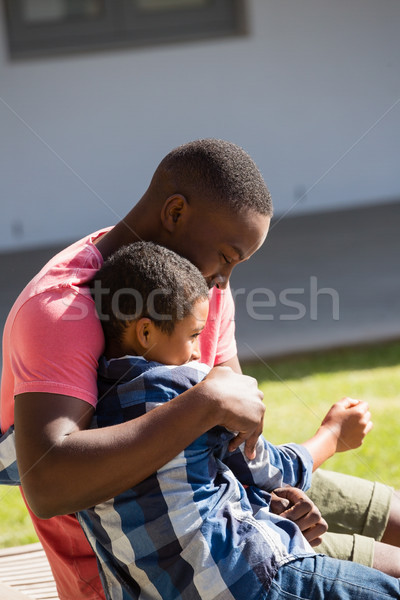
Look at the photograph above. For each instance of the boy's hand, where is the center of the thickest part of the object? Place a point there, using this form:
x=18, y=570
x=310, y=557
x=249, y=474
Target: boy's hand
x=236, y=405
x=349, y=421
x=293, y=504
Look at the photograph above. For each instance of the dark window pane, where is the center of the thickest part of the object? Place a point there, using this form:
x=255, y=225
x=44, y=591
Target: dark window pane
x=170, y=4
x=50, y=11
x=40, y=26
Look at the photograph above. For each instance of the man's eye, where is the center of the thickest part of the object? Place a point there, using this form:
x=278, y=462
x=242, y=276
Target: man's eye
x=226, y=259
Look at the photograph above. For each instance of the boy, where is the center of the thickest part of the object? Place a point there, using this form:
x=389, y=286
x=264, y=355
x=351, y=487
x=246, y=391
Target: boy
x=200, y=527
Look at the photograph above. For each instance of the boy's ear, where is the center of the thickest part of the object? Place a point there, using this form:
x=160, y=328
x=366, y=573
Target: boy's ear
x=144, y=332
x=172, y=211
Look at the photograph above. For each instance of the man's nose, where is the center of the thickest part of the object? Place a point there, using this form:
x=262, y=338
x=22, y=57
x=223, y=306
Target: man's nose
x=220, y=282
x=222, y=279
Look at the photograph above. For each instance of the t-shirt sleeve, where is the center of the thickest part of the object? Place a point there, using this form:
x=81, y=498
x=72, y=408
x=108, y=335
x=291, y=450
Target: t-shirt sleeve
x=226, y=348
x=56, y=342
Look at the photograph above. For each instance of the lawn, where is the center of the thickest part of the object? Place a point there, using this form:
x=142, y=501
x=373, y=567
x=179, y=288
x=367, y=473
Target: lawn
x=16, y=527
x=298, y=392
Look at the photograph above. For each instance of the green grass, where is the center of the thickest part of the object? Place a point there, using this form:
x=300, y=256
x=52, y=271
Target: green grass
x=16, y=527
x=298, y=392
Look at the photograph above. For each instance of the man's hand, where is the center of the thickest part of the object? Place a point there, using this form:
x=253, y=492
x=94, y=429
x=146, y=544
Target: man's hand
x=240, y=406
x=293, y=504
x=349, y=421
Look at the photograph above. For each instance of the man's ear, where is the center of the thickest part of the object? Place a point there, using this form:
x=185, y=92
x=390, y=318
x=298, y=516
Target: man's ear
x=145, y=332
x=173, y=210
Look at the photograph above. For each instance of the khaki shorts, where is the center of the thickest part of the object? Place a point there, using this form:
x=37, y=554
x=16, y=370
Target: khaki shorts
x=357, y=512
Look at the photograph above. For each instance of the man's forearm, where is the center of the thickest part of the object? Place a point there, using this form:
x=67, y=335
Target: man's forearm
x=65, y=467
x=70, y=471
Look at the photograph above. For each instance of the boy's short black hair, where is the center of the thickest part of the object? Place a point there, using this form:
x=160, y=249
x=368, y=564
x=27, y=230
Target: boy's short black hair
x=219, y=171
x=145, y=280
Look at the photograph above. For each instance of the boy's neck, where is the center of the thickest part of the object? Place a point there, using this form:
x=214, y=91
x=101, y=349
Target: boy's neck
x=114, y=349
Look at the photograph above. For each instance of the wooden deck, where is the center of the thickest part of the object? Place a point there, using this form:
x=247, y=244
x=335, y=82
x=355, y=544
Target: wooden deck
x=25, y=573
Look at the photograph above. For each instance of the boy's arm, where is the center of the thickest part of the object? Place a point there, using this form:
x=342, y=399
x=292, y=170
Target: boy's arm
x=344, y=428
x=273, y=466
x=65, y=467
x=288, y=466
x=9, y=474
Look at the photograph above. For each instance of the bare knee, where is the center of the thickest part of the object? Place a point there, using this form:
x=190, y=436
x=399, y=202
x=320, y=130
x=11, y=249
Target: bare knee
x=387, y=559
x=392, y=531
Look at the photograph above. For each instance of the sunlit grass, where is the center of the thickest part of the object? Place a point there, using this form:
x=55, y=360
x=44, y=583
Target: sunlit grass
x=299, y=392
x=16, y=526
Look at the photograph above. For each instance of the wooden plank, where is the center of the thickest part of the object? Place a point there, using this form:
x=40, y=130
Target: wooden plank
x=7, y=593
x=25, y=573
x=22, y=550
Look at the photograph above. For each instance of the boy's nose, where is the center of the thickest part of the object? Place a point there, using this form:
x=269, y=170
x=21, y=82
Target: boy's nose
x=196, y=350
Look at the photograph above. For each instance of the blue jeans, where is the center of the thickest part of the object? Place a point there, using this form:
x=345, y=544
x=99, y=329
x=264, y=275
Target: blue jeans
x=319, y=576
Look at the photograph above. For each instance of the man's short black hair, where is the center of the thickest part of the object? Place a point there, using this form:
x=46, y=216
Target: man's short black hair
x=218, y=171
x=145, y=280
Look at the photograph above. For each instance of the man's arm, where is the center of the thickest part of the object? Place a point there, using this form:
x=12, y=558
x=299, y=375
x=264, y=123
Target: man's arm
x=233, y=363
x=65, y=467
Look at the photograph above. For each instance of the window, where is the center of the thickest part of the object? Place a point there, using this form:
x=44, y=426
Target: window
x=45, y=26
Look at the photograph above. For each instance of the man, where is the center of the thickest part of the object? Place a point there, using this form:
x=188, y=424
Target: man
x=53, y=340
x=208, y=202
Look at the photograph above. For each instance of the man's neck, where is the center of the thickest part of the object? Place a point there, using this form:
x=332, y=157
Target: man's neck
x=140, y=224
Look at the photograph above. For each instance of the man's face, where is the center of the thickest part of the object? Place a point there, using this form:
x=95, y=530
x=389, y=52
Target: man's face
x=216, y=241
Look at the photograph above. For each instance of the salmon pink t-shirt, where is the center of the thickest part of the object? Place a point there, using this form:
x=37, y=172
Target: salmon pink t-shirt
x=52, y=341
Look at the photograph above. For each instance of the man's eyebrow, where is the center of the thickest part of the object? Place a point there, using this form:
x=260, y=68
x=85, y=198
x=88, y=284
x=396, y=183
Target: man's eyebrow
x=238, y=251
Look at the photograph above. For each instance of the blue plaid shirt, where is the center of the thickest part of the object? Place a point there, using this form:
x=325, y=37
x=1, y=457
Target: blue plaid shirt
x=199, y=528
x=9, y=474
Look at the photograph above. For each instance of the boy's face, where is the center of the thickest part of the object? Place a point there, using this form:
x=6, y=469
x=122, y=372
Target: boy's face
x=182, y=345
x=216, y=241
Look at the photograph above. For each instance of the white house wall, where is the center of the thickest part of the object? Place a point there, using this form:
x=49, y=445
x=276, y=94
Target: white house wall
x=312, y=92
